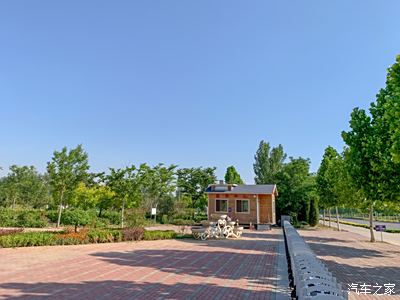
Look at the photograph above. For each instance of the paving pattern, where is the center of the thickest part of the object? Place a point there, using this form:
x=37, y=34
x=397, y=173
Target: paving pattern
x=168, y=269
x=354, y=260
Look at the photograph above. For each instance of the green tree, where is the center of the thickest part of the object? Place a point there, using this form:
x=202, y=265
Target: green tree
x=25, y=186
x=359, y=157
x=66, y=170
x=124, y=183
x=193, y=182
x=232, y=176
x=268, y=163
x=329, y=178
x=296, y=186
x=373, y=144
x=156, y=184
x=390, y=98
x=94, y=196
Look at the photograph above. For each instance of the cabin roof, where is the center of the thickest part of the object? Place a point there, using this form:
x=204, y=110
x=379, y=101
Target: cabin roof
x=263, y=189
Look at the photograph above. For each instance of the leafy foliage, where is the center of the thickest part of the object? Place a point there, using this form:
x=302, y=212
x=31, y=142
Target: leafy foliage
x=232, y=176
x=268, y=163
x=66, y=170
x=193, y=182
x=296, y=186
x=314, y=212
x=22, y=218
x=24, y=186
x=372, y=141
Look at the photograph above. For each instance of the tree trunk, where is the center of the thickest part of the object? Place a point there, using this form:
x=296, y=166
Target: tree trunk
x=371, y=222
x=100, y=211
x=337, y=218
x=329, y=211
x=323, y=215
x=122, y=213
x=60, y=208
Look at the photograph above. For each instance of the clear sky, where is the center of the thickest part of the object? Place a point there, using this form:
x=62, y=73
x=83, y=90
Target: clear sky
x=194, y=83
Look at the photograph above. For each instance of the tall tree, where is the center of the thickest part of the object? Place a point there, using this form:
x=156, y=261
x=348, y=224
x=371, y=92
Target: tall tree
x=359, y=157
x=157, y=183
x=329, y=181
x=193, y=182
x=66, y=170
x=372, y=142
x=25, y=186
x=314, y=212
x=268, y=163
x=295, y=186
x=390, y=95
x=232, y=176
x=124, y=183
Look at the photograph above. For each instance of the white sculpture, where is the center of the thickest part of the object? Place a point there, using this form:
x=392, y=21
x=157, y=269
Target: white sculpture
x=223, y=228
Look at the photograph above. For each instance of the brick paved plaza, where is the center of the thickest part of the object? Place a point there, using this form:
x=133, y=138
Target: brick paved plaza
x=353, y=259
x=169, y=269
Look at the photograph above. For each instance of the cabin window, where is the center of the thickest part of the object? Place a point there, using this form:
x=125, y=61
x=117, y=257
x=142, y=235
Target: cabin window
x=221, y=205
x=242, y=206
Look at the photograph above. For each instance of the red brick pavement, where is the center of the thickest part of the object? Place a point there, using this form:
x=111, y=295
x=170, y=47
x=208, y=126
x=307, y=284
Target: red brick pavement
x=169, y=269
x=353, y=259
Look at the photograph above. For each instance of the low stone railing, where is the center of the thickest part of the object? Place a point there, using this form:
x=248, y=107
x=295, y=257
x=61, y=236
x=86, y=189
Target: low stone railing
x=309, y=277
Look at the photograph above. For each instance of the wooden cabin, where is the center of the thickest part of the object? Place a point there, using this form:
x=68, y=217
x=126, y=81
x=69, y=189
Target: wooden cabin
x=248, y=203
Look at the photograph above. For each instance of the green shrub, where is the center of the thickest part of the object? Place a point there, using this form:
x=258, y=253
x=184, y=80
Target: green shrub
x=76, y=217
x=135, y=217
x=390, y=230
x=7, y=218
x=32, y=218
x=99, y=223
x=200, y=217
x=52, y=215
x=113, y=217
x=182, y=222
x=164, y=219
x=159, y=235
x=313, y=215
x=22, y=218
x=132, y=233
x=28, y=239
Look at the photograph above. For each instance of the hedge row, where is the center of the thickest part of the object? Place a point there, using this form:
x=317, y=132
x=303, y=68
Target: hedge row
x=389, y=230
x=42, y=218
x=28, y=239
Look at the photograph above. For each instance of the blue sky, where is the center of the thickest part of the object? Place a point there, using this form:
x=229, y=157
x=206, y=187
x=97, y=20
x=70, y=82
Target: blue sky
x=194, y=83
